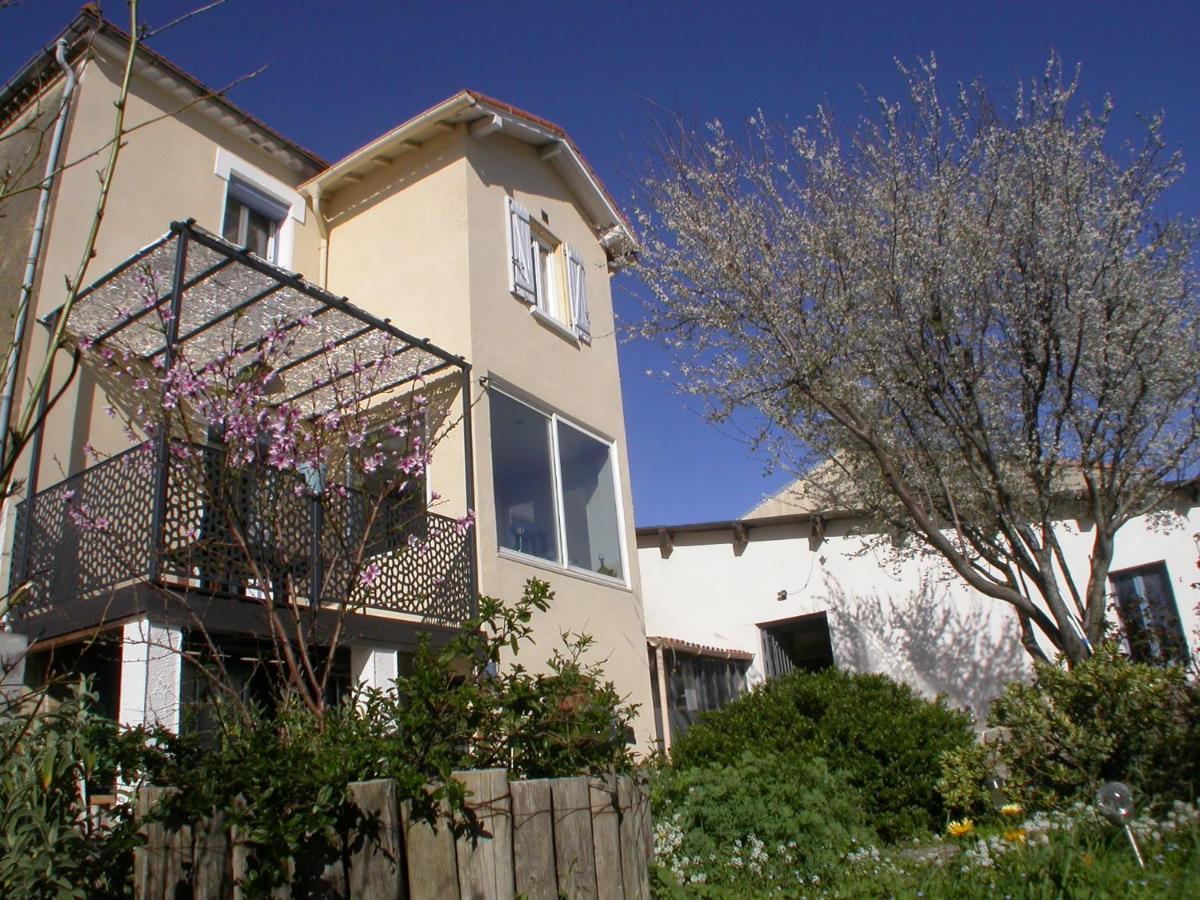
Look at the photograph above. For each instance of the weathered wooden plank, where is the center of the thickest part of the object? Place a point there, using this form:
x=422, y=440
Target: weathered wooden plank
x=376, y=851
x=533, y=840
x=485, y=858
x=429, y=855
x=634, y=805
x=212, y=863
x=574, y=855
x=241, y=853
x=606, y=837
x=159, y=863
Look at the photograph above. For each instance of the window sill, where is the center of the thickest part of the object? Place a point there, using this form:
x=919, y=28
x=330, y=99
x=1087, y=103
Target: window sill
x=554, y=325
x=538, y=563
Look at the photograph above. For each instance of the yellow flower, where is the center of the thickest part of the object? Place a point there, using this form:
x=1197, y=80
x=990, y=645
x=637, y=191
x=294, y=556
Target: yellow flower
x=1015, y=835
x=1012, y=809
x=961, y=828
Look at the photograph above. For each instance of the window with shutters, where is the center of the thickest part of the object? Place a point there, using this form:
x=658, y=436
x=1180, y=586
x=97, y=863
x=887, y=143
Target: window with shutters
x=555, y=490
x=547, y=274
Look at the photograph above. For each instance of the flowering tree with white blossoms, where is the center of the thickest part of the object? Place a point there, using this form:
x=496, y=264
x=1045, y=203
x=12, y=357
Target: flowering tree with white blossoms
x=969, y=311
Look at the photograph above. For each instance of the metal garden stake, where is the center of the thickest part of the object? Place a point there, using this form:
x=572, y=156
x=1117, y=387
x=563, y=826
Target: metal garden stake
x=1115, y=801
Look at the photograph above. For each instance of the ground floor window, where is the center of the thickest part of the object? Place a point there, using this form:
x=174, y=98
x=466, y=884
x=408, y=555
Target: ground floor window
x=800, y=643
x=556, y=489
x=694, y=683
x=1149, y=616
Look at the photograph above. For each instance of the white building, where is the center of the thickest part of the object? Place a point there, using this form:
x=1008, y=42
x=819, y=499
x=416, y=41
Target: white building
x=782, y=588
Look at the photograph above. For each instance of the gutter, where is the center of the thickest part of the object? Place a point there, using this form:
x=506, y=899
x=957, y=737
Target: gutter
x=35, y=245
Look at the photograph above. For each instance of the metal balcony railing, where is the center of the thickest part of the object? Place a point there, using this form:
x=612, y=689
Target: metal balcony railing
x=250, y=533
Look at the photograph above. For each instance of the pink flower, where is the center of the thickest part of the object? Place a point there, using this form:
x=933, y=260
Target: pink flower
x=368, y=575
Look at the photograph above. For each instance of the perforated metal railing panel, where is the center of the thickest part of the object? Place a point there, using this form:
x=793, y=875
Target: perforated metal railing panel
x=251, y=532
x=89, y=533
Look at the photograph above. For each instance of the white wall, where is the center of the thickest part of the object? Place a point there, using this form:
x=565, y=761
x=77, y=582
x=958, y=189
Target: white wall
x=913, y=620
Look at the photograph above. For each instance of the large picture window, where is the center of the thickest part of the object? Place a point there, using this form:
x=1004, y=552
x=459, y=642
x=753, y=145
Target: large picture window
x=556, y=491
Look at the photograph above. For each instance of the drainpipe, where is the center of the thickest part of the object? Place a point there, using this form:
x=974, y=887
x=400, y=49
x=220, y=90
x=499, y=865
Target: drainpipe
x=314, y=194
x=35, y=246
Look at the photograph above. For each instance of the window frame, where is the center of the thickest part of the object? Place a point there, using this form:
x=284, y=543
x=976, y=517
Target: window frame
x=562, y=563
x=279, y=202
x=551, y=294
x=243, y=223
x=1165, y=656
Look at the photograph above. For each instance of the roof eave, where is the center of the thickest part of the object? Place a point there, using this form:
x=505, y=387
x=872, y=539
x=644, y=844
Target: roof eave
x=485, y=116
x=112, y=42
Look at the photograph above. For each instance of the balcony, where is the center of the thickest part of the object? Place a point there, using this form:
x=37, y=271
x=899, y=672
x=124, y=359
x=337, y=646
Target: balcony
x=238, y=534
x=176, y=523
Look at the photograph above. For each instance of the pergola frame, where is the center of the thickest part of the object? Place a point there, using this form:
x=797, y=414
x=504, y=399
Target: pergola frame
x=274, y=297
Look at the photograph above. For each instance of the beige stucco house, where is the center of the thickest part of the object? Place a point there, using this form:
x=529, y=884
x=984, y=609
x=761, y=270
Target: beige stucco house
x=474, y=234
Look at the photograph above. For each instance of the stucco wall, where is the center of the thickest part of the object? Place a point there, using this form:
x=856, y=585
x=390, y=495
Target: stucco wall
x=581, y=382
x=914, y=620
x=23, y=153
x=423, y=241
x=398, y=248
x=165, y=172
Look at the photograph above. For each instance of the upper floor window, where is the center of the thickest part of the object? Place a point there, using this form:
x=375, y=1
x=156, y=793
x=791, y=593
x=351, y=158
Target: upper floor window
x=260, y=212
x=1149, y=616
x=253, y=220
x=556, y=489
x=548, y=275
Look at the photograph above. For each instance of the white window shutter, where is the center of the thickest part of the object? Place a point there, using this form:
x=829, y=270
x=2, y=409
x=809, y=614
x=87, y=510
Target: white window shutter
x=577, y=285
x=520, y=253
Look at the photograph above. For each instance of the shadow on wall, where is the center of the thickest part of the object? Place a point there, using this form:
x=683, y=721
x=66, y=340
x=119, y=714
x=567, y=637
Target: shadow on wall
x=967, y=652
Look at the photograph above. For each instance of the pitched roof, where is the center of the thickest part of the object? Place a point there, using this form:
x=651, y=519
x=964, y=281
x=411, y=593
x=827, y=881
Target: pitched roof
x=90, y=29
x=486, y=115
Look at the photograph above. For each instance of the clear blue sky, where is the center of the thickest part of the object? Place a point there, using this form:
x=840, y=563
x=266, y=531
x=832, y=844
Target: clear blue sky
x=341, y=73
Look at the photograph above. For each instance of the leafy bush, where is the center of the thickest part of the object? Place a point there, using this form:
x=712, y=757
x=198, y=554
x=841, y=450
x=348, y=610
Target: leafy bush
x=884, y=738
x=49, y=845
x=762, y=820
x=1070, y=730
x=282, y=776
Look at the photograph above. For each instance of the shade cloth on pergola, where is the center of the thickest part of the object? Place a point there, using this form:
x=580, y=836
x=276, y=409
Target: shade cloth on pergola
x=195, y=296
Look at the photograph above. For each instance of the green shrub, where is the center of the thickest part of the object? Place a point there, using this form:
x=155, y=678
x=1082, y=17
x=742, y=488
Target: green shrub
x=964, y=773
x=1106, y=719
x=50, y=751
x=762, y=820
x=282, y=776
x=884, y=738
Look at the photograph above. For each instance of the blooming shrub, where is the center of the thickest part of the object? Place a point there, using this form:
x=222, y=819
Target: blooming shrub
x=1108, y=719
x=1072, y=853
x=878, y=734
x=761, y=822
